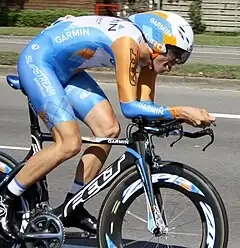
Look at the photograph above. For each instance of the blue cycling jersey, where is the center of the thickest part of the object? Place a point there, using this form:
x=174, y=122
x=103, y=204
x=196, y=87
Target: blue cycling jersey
x=53, y=64
x=81, y=42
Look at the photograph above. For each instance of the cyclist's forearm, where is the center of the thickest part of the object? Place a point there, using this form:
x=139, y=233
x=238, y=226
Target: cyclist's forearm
x=147, y=109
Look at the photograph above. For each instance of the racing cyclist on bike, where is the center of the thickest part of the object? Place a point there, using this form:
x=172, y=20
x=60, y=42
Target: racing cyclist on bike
x=52, y=73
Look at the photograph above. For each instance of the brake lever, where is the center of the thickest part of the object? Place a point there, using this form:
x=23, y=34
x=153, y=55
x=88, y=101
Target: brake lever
x=181, y=134
x=195, y=135
x=204, y=132
x=209, y=132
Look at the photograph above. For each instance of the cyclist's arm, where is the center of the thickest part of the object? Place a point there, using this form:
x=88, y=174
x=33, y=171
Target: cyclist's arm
x=126, y=52
x=146, y=84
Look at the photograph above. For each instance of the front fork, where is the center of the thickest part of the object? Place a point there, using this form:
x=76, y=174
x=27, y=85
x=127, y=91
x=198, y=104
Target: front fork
x=155, y=213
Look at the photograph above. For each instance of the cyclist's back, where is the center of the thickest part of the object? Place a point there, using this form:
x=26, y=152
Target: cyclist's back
x=78, y=43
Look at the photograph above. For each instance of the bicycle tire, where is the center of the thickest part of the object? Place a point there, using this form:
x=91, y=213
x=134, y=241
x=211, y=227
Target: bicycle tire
x=7, y=160
x=7, y=163
x=109, y=218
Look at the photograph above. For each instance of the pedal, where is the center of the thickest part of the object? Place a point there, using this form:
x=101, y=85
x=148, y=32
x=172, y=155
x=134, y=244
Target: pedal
x=79, y=235
x=45, y=230
x=87, y=235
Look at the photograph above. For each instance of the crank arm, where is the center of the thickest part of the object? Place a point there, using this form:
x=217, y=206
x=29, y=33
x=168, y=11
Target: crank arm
x=40, y=235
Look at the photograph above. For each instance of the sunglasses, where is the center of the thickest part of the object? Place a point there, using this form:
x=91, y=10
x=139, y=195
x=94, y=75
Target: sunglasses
x=176, y=54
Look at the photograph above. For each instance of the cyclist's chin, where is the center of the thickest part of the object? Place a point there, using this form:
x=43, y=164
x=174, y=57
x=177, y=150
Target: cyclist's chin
x=162, y=69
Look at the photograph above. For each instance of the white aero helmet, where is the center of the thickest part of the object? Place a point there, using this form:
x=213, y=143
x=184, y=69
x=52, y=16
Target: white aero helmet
x=165, y=29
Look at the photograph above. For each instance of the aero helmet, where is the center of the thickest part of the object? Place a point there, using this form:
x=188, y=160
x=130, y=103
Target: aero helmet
x=163, y=28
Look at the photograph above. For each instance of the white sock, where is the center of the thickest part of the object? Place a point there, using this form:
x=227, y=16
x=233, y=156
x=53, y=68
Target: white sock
x=16, y=188
x=76, y=186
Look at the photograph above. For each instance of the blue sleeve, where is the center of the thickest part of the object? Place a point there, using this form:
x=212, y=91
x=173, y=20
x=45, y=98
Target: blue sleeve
x=146, y=109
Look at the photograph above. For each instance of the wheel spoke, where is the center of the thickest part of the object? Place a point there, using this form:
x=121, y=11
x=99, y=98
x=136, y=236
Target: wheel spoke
x=148, y=242
x=181, y=225
x=177, y=216
x=173, y=211
x=163, y=210
x=184, y=234
x=157, y=245
x=137, y=217
x=136, y=241
x=167, y=242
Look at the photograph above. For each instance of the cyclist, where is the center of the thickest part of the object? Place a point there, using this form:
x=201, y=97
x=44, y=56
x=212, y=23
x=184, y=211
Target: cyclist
x=52, y=72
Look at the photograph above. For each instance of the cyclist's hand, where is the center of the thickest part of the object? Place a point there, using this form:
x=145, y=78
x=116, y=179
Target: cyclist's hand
x=196, y=117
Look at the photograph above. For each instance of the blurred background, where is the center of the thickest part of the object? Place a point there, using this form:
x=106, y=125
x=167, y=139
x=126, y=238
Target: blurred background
x=204, y=15
x=216, y=24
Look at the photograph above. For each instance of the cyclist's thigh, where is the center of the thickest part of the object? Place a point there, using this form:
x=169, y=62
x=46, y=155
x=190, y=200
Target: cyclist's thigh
x=84, y=93
x=44, y=90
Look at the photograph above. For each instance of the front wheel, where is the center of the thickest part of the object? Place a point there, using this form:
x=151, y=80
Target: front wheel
x=194, y=213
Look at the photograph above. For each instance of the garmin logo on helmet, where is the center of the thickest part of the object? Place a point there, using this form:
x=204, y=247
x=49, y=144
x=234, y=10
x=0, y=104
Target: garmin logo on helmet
x=161, y=26
x=157, y=46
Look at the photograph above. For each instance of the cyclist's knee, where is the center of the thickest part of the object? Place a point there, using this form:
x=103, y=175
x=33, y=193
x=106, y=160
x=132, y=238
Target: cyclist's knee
x=67, y=138
x=110, y=129
x=70, y=146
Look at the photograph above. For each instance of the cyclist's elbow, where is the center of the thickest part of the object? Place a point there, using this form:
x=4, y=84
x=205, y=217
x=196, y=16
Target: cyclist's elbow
x=128, y=110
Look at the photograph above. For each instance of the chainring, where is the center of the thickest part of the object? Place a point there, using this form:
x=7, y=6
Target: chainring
x=41, y=228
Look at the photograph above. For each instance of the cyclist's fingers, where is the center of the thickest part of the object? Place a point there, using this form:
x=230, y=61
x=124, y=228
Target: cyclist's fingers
x=205, y=113
x=213, y=123
x=208, y=117
x=212, y=118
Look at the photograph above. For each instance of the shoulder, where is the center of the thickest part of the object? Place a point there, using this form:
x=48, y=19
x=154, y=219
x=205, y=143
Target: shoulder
x=112, y=27
x=117, y=28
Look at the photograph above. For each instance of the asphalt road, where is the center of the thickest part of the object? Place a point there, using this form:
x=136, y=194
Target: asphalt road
x=220, y=163
x=201, y=54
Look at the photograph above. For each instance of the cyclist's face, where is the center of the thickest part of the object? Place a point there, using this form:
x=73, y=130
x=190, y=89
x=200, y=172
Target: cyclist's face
x=163, y=62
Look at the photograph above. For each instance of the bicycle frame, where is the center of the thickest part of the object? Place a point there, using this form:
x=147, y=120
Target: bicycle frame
x=134, y=156
x=140, y=153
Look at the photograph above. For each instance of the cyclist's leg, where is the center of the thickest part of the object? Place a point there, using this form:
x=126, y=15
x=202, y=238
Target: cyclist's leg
x=92, y=106
x=51, y=103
